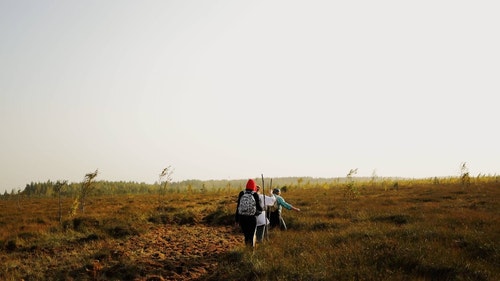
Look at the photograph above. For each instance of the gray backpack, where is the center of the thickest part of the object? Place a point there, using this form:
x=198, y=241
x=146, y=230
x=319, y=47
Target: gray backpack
x=248, y=206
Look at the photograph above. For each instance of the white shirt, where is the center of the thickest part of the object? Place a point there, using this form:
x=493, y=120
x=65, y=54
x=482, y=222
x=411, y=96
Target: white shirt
x=261, y=219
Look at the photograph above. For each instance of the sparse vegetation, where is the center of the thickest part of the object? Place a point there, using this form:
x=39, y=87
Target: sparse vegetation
x=164, y=179
x=351, y=191
x=424, y=230
x=59, y=185
x=464, y=175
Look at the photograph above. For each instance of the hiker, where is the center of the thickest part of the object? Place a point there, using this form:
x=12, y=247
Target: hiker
x=247, y=210
x=262, y=220
x=275, y=216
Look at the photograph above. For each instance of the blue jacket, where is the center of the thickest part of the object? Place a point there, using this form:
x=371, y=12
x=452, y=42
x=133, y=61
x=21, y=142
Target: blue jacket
x=281, y=202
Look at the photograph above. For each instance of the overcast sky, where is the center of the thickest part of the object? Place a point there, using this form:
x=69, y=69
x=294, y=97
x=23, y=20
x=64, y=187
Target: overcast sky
x=236, y=89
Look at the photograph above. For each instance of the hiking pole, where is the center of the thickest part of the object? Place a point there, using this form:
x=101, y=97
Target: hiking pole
x=268, y=214
x=265, y=207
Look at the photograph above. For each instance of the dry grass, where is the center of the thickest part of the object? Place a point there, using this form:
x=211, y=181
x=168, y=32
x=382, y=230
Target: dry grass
x=419, y=231
x=422, y=232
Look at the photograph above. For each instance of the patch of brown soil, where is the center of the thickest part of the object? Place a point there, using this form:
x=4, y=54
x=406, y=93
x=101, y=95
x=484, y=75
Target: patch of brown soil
x=174, y=252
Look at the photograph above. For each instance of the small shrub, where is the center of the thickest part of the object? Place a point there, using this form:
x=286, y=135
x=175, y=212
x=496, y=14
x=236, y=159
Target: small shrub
x=396, y=219
x=82, y=224
x=122, y=231
x=323, y=226
x=159, y=219
x=11, y=246
x=184, y=217
x=219, y=217
x=90, y=237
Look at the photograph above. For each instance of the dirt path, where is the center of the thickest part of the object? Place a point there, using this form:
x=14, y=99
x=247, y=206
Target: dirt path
x=175, y=252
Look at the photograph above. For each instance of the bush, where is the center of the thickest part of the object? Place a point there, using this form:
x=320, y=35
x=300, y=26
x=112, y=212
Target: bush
x=81, y=224
x=122, y=231
x=184, y=217
x=219, y=217
x=159, y=219
x=88, y=238
x=11, y=246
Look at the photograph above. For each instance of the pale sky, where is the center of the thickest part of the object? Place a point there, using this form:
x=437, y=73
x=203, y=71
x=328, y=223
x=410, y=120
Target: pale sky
x=236, y=89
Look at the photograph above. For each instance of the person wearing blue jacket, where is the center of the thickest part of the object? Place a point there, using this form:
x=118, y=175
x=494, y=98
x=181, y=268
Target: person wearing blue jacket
x=275, y=217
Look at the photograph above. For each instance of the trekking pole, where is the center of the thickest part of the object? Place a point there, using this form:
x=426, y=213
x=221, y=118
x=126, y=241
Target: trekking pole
x=268, y=215
x=265, y=207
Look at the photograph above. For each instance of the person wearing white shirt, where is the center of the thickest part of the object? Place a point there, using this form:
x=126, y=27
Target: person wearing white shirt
x=262, y=220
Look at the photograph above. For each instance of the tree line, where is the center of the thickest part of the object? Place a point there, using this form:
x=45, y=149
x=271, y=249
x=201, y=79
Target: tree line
x=101, y=187
x=51, y=188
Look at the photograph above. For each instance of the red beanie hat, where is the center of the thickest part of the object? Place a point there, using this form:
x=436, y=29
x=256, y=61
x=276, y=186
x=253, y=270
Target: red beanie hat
x=251, y=185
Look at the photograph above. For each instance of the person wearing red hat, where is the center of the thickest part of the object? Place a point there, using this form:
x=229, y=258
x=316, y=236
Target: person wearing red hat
x=247, y=210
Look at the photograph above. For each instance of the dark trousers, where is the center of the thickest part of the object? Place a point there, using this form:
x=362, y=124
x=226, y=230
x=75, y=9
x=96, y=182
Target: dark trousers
x=260, y=233
x=248, y=225
x=276, y=220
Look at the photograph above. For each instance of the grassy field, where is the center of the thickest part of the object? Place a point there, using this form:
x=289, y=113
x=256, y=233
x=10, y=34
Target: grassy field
x=415, y=230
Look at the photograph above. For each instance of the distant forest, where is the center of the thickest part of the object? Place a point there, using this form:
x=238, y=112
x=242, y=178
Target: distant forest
x=50, y=188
